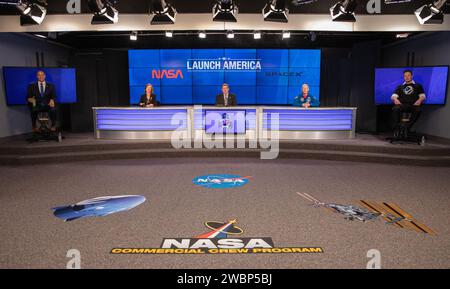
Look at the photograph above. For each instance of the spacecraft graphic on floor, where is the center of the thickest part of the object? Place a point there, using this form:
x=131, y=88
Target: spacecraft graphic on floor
x=366, y=210
x=98, y=207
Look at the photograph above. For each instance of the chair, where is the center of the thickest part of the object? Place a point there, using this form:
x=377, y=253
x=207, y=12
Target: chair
x=402, y=133
x=44, y=132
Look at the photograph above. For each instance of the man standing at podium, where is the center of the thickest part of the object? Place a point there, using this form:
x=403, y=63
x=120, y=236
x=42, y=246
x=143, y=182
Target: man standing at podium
x=226, y=98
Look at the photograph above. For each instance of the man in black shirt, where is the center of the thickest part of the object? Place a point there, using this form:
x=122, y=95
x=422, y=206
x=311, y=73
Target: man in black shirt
x=408, y=97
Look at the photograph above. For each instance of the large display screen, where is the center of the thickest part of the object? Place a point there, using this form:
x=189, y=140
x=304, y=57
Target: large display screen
x=432, y=78
x=18, y=78
x=195, y=76
x=225, y=122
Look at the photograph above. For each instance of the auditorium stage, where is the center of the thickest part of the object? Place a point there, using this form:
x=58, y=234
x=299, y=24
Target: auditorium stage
x=268, y=206
x=85, y=147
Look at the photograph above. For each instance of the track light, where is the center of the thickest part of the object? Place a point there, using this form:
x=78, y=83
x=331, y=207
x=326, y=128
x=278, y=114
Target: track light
x=344, y=11
x=202, y=34
x=41, y=36
x=32, y=12
x=431, y=13
x=396, y=1
x=134, y=36
x=257, y=35
x=230, y=34
x=104, y=11
x=302, y=2
x=225, y=10
x=276, y=11
x=164, y=13
x=312, y=36
x=286, y=34
x=402, y=35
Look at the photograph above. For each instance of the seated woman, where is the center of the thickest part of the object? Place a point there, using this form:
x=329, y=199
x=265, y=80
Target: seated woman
x=305, y=99
x=148, y=99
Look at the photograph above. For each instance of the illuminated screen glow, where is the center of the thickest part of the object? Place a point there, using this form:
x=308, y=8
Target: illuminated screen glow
x=195, y=76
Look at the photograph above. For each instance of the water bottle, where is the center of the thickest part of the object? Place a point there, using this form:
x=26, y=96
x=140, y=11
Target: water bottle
x=422, y=141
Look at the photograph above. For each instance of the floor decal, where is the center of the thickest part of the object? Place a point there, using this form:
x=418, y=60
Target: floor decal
x=369, y=211
x=221, y=181
x=218, y=241
x=98, y=207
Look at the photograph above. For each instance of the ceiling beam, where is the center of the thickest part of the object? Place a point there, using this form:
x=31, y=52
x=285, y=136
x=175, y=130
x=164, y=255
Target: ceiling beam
x=304, y=22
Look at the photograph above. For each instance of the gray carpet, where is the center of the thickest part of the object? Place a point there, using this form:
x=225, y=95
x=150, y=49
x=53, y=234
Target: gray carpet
x=268, y=206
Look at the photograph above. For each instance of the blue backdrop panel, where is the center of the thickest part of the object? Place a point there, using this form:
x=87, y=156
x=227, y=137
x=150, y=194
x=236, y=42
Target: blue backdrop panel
x=282, y=73
x=271, y=95
x=17, y=80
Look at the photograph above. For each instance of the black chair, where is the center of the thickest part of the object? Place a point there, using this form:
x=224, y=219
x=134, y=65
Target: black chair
x=402, y=133
x=44, y=131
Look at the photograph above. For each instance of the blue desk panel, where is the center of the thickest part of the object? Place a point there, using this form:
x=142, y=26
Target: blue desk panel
x=311, y=120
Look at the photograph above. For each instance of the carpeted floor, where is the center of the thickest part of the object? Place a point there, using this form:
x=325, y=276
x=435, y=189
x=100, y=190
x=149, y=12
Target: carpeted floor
x=268, y=206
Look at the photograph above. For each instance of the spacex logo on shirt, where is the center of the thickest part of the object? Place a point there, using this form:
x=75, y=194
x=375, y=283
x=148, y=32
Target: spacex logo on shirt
x=408, y=90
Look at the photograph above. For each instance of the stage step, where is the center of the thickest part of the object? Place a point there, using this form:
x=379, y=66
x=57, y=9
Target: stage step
x=164, y=152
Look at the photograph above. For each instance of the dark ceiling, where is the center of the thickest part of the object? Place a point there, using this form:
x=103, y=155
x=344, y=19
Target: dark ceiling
x=245, y=6
x=190, y=39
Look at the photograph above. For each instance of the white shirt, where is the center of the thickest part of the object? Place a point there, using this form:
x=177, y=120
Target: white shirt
x=225, y=97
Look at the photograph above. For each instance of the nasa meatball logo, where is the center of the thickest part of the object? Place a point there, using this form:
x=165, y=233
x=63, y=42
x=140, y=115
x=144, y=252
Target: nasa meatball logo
x=408, y=90
x=222, y=238
x=221, y=181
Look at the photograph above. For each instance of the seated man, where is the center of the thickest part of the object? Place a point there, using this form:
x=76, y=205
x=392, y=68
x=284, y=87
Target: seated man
x=305, y=99
x=226, y=98
x=41, y=97
x=408, y=97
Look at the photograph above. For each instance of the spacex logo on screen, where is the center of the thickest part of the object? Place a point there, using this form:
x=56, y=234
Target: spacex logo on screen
x=167, y=73
x=224, y=63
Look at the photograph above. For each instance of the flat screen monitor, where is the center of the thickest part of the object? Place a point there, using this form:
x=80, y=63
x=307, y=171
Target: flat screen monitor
x=17, y=80
x=434, y=80
x=225, y=122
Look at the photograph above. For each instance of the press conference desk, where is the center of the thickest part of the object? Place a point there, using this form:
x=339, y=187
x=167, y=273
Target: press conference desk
x=159, y=123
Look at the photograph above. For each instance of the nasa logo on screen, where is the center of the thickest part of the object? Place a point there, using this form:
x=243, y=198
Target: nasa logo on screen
x=221, y=181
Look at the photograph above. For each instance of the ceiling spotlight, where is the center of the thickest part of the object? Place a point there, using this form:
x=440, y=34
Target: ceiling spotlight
x=32, y=12
x=230, y=34
x=257, y=35
x=276, y=11
x=169, y=34
x=431, y=13
x=225, y=10
x=202, y=34
x=286, y=34
x=134, y=36
x=402, y=35
x=344, y=11
x=164, y=13
x=104, y=11
x=41, y=36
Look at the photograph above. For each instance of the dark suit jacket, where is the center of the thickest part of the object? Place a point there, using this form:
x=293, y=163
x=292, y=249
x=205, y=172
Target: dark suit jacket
x=220, y=101
x=33, y=91
x=144, y=100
